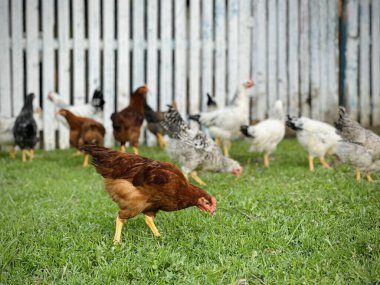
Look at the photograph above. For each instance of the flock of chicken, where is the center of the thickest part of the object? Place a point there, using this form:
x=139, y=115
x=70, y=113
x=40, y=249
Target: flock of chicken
x=142, y=185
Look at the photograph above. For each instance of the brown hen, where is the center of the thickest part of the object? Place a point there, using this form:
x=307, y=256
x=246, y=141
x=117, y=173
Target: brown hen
x=127, y=123
x=142, y=185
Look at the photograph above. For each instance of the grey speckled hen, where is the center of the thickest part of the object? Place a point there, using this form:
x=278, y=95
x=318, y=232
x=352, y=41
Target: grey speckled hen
x=194, y=150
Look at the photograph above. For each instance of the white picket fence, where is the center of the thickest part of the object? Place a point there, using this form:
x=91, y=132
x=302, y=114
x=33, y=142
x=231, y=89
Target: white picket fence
x=185, y=49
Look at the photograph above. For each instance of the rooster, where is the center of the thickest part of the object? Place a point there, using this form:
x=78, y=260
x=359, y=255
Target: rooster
x=83, y=131
x=127, y=123
x=224, y=123
x=25, y=129
x=266, y=135
x=194, y=150
x=142, y=185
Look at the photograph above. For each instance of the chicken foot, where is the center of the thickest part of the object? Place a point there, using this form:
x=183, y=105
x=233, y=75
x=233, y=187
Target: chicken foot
x=226, y=148
x=23, y=152
x=161, y=141
x=218, y=141
x=311, y=163
x=324, y=162
x=135, y=150
x=122, y=148
x=85, y=161
x=119, y=226
x=149, y=220
x=12, y=152
x=195, y=176
x=357, y=174
x=266, y=159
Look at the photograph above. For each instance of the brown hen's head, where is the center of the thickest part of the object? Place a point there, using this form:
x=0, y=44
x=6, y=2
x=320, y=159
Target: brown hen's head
x=62, y=112
x=207, y=204
x=140, y=92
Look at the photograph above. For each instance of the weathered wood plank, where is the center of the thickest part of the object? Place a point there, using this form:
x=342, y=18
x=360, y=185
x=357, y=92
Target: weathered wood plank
x=272, y=52
x=108, y=69
x=233, y=57
x=351, y=86
x=79, y=52
x=304, y=58
x=282, y=78
x=260, y=70
x=244, y=40
x=166, y=87
x=332, y=60
x=293, y=68
x=123, y=66
x=93, y=47
x=194, y=57
x=5, y=80
x=323, y=83
x=315, y=60
x=138, y=76
x=207, y=62
x=375, y=39
x=364, y=66
x=180, y=56
x=48, y=73
x=32, y=48
x=17, y=57
x=63, y=65
x=220, y=52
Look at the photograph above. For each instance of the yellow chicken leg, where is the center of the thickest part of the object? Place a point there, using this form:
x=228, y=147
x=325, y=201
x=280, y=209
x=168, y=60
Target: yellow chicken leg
x=24, y=155
x=357, y=174
x=135, y=150
x=149, y=220
x=119, y=226
x=324, y=162
x=369, y=178
x=161, y=141
x=12, y=152
x=85, y=161
x=266, y=159
x=218, y=141
x=195, y=176
x=122, y=148
x=311, y=163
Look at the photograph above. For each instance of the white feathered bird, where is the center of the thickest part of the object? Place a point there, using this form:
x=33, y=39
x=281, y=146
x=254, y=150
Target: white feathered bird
x=266, y=135
x=317, y=138
x=194, y=150
x=224, y=123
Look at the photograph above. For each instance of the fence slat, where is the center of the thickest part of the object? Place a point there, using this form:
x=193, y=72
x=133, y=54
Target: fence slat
x=194, y=58
x=220, y=52
x=323, y=83
x=207, y=27
x=272, y=52
x=5, y=80
x=63, y=65
x=304, y=58
x=48, y=72
x=233, y=38
x=293, y=72
x=166, y=91
x=123, y=78
x=364, y=67
x=138, y=44
x=375, y=24
x=332, y=92
x=314, y=57
x=260, y=69
x=32, y=46
x=17, y=57
x=180, y=55
x=351, y=87
x=108, y=69
x=282, y=80
x=93, y=47
x=244, y=40
x=78, y=52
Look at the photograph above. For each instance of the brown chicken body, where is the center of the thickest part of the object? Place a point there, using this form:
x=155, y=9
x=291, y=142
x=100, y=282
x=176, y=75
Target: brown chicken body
x=142, y=185
x=83, y=131
x=127, y=123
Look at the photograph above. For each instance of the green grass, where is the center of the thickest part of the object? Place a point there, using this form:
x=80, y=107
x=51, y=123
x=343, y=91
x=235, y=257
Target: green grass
x=278, y=225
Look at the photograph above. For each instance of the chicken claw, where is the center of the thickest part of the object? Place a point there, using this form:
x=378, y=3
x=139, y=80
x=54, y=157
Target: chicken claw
x=122, y=148
x=24, y=155
x=85, y=161
x=357, y=174
x=12, y=153
x=149, y=220
x=266, y=159
x=195, y=176
x=119, y=226
x=311, y=163
x=135, y=150
x=324, y=162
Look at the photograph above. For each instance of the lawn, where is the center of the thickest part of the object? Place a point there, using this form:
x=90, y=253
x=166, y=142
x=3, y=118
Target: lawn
x=278, y=225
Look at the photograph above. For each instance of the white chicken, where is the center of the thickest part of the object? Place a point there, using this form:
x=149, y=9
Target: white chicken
x=316, y=137
x=92, y=110
x=224, y=123
x=194, y=150
x=266, y=135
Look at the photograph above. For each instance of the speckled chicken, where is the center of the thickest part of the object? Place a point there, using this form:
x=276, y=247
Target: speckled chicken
x=194, y=150
x=25, y=129
x=266, y=135
x=316, y=137
x=153, y=119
